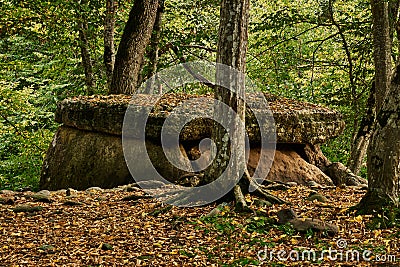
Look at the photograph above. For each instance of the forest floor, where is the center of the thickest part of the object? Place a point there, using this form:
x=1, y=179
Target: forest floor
x=99, y=228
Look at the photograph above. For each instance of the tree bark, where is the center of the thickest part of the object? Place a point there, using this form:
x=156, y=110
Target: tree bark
x=382, y=49
x=153, y=52
x=382, y=55
x=109, y=47
x=384, y=154
x=361, y=140
x=132, y=47
x=232, y=48
x=85, y=52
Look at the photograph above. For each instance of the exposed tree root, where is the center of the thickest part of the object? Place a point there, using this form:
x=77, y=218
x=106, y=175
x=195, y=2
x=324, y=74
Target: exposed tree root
x=340, y=174
x=241, y=205
x=373, y=202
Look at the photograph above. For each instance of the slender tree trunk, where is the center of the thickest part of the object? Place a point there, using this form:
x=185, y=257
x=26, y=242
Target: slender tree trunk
x=361, y=140
x=384, y=154
x=153, y=52
x=109, y=48
x=132, y=47
x=232, y=48
x=85, y=53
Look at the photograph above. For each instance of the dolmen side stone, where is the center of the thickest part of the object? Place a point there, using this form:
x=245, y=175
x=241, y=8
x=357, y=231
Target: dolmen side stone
x=87, y=149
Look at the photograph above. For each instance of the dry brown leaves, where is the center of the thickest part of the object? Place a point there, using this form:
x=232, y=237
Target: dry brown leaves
x=107, y=231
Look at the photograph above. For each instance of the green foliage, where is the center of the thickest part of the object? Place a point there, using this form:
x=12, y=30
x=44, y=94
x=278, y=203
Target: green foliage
x=40, y=63
x=260, y=225
x=387, y=218
x=26, y=129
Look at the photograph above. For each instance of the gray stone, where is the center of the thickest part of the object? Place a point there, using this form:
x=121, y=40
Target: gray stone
x=27, y=208
x=94, y=189
x=82, y=159
x=44, y=193
x=41, y=197
x=305, y=224
x=318, y=197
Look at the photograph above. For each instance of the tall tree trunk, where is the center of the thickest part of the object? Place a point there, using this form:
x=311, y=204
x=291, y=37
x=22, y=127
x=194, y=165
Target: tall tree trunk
x=132, y=47
x=384, y=148
x=109, y=48
x=382, y=49
x=384, y=154
x=232, y=48
x=153, y=51
x=85, y=52
x=384, y=15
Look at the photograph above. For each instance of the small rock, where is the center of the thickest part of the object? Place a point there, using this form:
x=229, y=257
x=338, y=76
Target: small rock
x=41, y=197
x=94, y=189
x=72, y=203
x=106, y=246
x=286, y=215
x=27, y=208
x=305, y=224
x=44, y=193
x=318, y=197
x=218, y=209
x=262, y=203
x=7, y=200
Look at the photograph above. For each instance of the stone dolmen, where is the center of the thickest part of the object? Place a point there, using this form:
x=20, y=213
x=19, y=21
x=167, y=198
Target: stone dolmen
x=87, y=148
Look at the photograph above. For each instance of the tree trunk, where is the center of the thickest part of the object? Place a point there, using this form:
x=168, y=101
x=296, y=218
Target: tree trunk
x=132, y=47
x=382, y=55
x=382, y=49
x=384, y=154
x=361, y=140
x=109, y=48
x=232, y=48
x=154, y=46
x=85, y=54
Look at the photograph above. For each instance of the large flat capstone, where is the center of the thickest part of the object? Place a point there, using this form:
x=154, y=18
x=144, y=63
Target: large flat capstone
x=295, y=122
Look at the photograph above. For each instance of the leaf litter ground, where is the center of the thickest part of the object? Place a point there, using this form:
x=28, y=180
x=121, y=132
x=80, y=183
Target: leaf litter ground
x=99, y=228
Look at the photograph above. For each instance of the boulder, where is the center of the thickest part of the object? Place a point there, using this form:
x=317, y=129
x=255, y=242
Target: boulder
x=82, y=159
